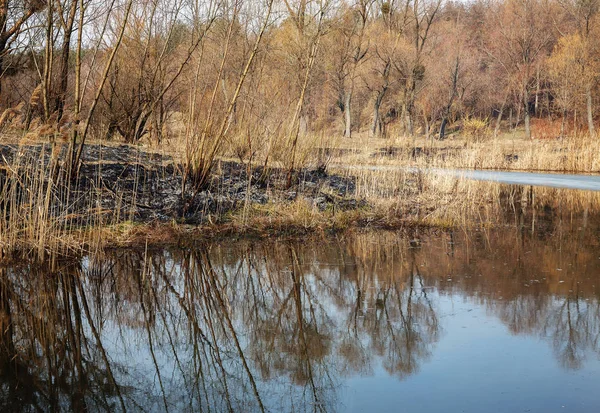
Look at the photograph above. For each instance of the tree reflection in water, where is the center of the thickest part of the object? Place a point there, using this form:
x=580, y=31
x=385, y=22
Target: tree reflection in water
x=277, y=326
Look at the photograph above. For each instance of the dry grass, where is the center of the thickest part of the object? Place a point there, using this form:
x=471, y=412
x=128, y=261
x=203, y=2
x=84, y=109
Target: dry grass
x=38, y=213
x=432, y=199
x=508, y=151
x=394, y=198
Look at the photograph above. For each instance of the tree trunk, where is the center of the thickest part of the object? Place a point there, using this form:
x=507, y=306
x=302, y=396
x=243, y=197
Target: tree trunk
x=376, y=116
x=527, y=119
x=11, y=27
x=537, y=92
x=408, y=116
x=348, y=116
x=48, y=60
x=140, y=126
x=376, y=127
x=59, y=104
x=453, y=94
x=498, y=121
x=443, y=128
x=427, y=128
x=590, y=114
x=409, y=98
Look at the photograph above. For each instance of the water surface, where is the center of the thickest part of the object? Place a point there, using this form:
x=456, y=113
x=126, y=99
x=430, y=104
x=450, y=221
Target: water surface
x=505, y=320
x=552, y=180
x=587, y=182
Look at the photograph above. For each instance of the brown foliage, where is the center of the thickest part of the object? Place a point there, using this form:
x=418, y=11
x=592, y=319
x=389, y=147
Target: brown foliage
x=390, y=70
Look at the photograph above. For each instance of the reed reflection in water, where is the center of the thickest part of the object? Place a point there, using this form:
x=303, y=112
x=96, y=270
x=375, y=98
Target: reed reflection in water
x=371, y=320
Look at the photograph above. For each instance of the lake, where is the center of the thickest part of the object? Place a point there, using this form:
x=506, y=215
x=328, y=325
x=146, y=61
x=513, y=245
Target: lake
x=469, y=320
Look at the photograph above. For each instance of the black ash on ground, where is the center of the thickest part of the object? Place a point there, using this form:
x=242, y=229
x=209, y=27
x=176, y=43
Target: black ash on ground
x=128, y=183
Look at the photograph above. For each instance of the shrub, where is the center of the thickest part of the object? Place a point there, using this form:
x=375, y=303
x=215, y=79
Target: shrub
x=546, y=128
x=475, y=129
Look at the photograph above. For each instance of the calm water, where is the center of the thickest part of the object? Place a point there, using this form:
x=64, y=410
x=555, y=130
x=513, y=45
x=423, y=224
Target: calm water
x=500, y=321
x=587, y=182
x=553, y=180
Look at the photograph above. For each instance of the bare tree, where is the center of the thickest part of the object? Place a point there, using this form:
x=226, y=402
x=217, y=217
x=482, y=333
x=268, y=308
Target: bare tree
x=422, y=17
x=350, y=33
x=13, y=16
x=311, y=32
x=521, y=39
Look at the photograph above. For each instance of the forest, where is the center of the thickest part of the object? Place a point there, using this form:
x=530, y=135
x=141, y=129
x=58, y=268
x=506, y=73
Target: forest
x=257, y=77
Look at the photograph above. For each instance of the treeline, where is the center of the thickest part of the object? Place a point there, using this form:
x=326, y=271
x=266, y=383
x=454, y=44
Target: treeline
x=256, y=74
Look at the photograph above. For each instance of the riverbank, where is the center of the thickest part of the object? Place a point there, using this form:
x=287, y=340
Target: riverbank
x=129, y=196
x=125, y=195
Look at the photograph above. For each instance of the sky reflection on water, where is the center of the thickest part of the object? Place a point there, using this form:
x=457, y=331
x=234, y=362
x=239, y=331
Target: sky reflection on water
x=507, y=320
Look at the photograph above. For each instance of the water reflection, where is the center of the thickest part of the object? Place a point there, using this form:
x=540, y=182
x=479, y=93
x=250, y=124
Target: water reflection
x=279, y=326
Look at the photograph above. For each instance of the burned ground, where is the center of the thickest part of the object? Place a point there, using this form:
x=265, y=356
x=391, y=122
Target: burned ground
x=127, y=183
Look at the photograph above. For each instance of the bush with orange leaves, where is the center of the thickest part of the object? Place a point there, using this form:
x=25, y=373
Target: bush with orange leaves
x=548, y=128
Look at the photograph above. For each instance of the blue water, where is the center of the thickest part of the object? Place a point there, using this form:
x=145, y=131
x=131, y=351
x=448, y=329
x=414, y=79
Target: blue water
x=368, y=323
